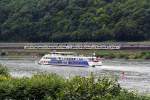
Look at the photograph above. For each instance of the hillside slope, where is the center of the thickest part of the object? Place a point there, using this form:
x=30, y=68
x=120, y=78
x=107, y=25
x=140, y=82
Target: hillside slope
x=74, y=20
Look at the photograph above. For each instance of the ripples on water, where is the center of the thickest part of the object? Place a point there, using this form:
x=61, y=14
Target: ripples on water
x=136, y=77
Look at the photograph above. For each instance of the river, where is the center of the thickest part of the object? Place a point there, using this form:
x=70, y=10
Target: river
x=131, y=74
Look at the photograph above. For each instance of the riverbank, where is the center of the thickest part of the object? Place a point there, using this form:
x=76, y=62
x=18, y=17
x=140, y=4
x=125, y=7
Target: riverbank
x=107, y=54
x=54, y=87
x=124, y=54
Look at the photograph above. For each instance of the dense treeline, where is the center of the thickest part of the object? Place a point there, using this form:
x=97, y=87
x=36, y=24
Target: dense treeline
x=74, y=20
x=54, y=87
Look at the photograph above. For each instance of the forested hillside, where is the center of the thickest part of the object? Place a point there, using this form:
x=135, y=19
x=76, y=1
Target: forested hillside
x=74, y=20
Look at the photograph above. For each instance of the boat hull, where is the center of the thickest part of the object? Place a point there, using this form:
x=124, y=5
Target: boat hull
x=65, y=65
x=72, y=64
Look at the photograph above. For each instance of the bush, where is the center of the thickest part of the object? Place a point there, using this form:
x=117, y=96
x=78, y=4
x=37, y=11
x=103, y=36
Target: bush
x=3, y=70
x=82, y=88
x=5, y=90
x=41, y=86
x=18, y=89
x=54, y=87
x=125, y=95
x=106, y=55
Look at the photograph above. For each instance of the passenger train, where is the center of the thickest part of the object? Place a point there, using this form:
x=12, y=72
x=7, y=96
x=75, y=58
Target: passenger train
x=70, y=59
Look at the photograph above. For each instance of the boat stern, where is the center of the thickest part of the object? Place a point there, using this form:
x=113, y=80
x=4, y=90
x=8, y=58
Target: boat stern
x=95, y=63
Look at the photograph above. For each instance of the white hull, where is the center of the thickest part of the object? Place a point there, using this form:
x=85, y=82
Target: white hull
x=90, y=64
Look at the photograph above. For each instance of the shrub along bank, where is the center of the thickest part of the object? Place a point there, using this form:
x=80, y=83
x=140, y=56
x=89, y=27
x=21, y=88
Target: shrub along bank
x=124, y=54
x=54, y=87
x=3, y=71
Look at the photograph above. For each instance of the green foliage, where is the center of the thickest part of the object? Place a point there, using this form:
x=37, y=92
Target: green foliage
x=146, y=55
x=125, y=95
x=108, y=55
x=124, y=54
x=81, y=88
x=41, y=86
x=54, y=87
x=3, y=71
x=36, y=88
x=74, y=20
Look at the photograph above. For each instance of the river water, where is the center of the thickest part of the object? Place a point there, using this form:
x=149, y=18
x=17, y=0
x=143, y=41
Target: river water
x=131, y=74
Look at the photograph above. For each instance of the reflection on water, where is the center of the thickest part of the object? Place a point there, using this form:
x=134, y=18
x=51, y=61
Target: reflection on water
x=136, y=73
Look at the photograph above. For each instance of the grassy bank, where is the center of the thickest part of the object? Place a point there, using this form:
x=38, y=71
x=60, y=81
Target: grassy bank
x=124, y=54
x=54, y=87
x=108, y=54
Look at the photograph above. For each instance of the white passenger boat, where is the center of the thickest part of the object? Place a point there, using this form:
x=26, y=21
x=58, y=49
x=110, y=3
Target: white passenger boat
x=69, y=59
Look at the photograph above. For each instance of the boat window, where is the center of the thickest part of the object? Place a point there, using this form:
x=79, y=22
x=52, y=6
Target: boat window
x=80, y=59
x=73, y=58
x=46, y=58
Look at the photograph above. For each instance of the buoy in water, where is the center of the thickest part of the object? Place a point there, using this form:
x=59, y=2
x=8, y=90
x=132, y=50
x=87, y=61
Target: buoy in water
x=122, y=75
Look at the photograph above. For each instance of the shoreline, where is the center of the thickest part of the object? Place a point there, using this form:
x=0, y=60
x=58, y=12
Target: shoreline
x=106, y=54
